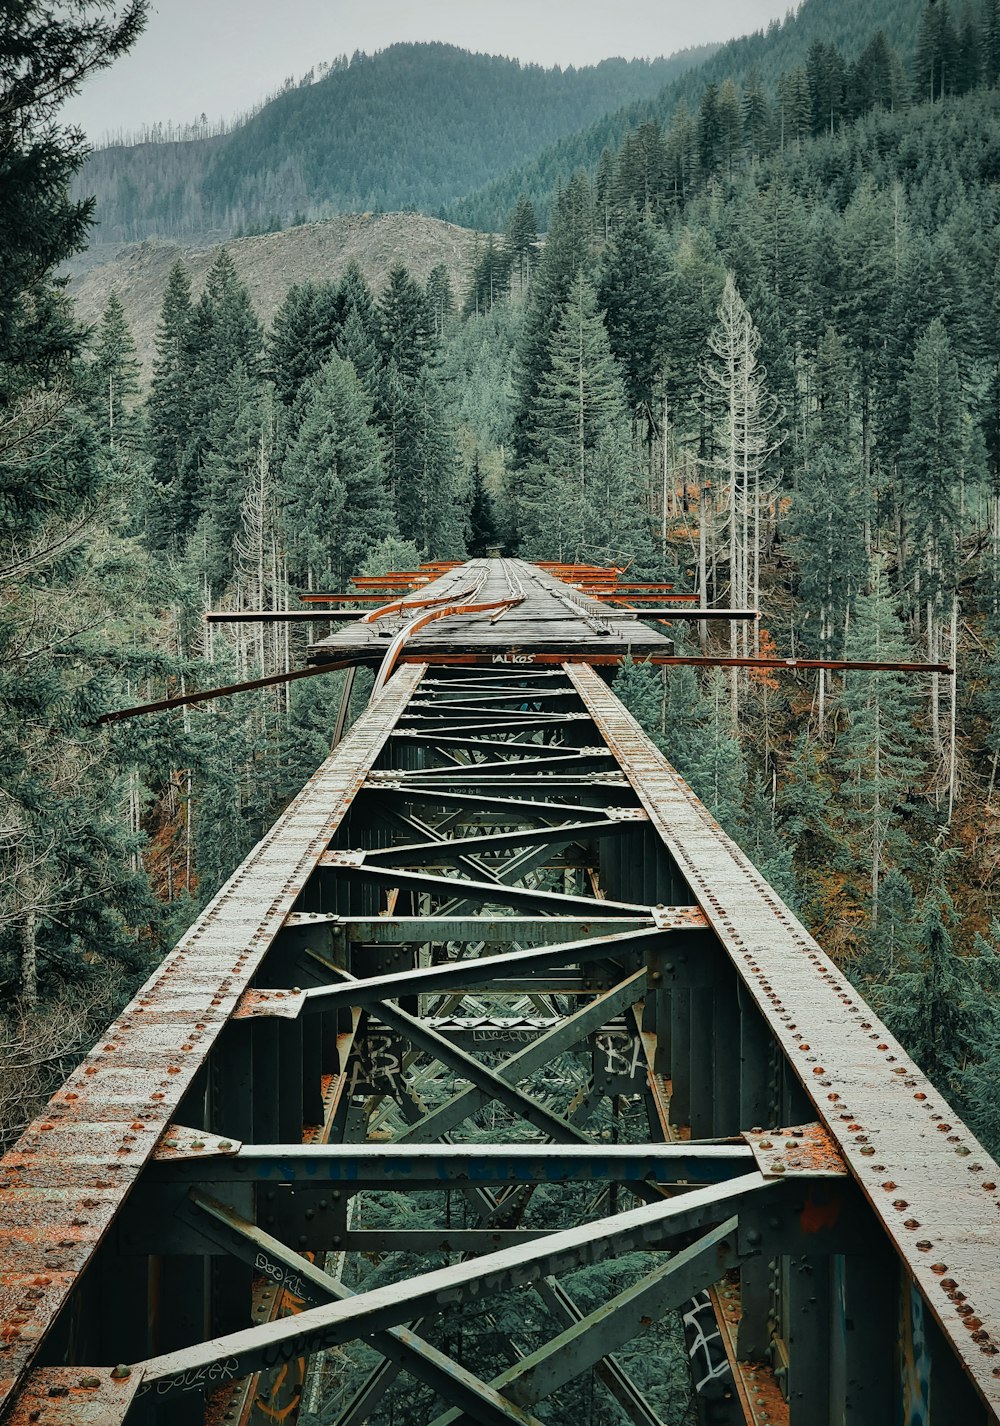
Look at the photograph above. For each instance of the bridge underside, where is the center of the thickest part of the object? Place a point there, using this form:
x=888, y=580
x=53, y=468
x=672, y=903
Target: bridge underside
x=494, y=1002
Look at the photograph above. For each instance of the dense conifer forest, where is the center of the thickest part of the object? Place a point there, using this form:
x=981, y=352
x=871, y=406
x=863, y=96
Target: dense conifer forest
x=757, y=350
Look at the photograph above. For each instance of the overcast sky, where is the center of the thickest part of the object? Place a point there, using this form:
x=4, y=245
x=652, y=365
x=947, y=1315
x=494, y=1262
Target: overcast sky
x=220, y=56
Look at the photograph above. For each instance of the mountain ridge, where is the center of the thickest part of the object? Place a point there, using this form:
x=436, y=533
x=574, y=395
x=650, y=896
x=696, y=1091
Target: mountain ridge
x=413, y=127
x=848, y=24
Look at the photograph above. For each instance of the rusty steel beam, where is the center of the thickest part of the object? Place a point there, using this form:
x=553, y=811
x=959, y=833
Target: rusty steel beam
x=516, y=659
x=187, y=700
x=68, y=1175
x=898, y=1136
x=284, y=616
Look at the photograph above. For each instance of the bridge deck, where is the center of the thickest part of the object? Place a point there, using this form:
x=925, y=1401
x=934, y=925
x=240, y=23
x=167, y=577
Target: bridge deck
x=552, y=617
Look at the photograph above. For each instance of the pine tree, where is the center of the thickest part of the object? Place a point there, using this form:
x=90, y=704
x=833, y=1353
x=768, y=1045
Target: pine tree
x=826, y=77
x=729, y=114
x=709, y=130
x=877, y=751
x=968, y=51
x=746, y=438
x=935, y=61
x=231, y=451
x=45, y=56
x=302, y=337
x=335, y=503
x=427, y=483
x=633, y=292
x=114, y=379
x=580, y=399
x=483, y=534
x=718, y=771
x=407, y=326
x=70, y=877
x=991, y=42
x=227, y=367
x=520, y=240
x=172, y=501
x=756, y=118
x=490, y=278
x=441, y=299
x=567, y=251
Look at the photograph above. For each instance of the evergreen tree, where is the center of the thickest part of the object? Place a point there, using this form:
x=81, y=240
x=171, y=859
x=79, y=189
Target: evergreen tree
x=483, y=533
x=567, y=251
x=70, y=877
x=427, y=481
x=877, y=751
x=991, y=42
x=709, y=130
x=407, y=326
x=231, y=450
x=490, y=278
x=520, y=239
x=114, y=380
x=826, y=77
x=968, y=51
x=441, y=299
x=757, y=119
x=718, y=771
x=931, y=463
x=633, y=292
x=335, y=500
x=302, y=337
x=172, y=501
x=936, y=58
x=579, y=401
x=729, y=116
x=45, y=56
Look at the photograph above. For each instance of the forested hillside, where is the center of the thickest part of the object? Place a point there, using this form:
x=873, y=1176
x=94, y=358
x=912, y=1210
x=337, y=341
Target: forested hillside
x=749, y=61
x=414, y=126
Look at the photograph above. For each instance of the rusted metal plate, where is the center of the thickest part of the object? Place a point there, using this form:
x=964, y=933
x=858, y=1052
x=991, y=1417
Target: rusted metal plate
x=179, y=1142
x=75, y=1396
x=63, y=1181
x=931, y=1183
x=806, y=1151
x=679, y=918
x=270, y=1005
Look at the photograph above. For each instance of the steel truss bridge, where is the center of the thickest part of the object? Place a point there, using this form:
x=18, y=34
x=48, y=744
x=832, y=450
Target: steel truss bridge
x=496, y=869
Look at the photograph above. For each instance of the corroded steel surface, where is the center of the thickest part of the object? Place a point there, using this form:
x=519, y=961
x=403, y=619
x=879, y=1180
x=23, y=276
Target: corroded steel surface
x=931, y=1183
x=807, y=1150
x=75, y=1396
x=65, y=1179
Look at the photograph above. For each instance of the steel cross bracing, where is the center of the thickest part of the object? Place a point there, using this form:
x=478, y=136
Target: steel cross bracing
x=497, y=875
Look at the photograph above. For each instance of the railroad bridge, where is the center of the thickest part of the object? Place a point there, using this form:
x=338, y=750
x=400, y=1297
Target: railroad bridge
x=496, y=872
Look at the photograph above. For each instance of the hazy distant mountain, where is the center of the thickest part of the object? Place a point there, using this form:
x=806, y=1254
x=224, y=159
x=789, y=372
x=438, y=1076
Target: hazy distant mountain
x=413, y=127
x=784, y=45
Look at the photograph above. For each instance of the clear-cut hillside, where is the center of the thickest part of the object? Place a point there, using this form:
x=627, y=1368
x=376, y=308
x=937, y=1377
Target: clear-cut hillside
x=268, y=265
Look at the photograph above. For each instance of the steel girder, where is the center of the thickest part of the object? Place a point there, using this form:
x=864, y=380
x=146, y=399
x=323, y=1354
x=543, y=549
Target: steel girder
x=211, y=1152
